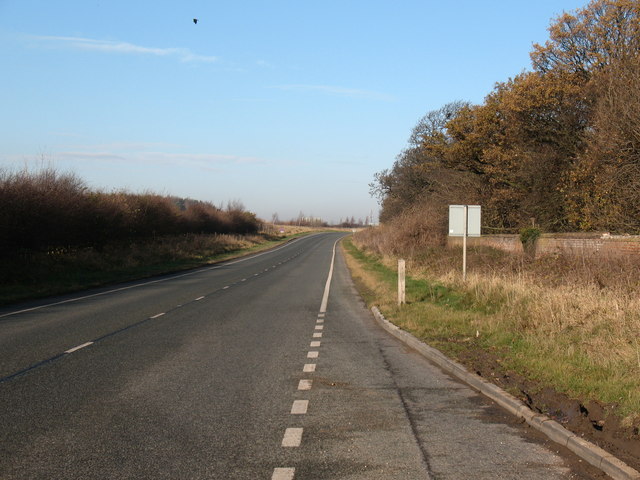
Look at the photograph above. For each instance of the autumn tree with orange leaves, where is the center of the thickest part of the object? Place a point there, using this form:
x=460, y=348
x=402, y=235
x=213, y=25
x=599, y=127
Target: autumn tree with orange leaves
x=559, y=144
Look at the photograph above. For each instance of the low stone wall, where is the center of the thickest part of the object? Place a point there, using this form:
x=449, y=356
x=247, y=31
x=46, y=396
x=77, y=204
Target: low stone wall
x=560, y=243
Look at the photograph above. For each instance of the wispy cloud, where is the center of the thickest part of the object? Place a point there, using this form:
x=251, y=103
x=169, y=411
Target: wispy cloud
x=336, y=91
x=107, y=46
x=201, y=161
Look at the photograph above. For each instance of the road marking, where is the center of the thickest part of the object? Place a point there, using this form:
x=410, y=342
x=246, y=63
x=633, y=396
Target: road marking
x=283, y=473
x=224, y=288
x=313, y=354
x=309, y=367
x=315, y=344
x=292, y=437
x=317, y=334
x=327, y=286
x=299, y=407
x=319, y=321
x=243, y=280
x=319, y=327
x=158, y=315
x=75, y=349
x=305, y=384
x=321, y=315
x=199, y=298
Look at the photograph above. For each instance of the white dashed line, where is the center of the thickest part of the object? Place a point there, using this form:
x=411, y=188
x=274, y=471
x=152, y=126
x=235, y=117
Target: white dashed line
x=305, y=384
x=321, y=315
x=292, y=437
x=224, y=288
x=243, y=280
x=319, y=327
x=309, y=367
x=199, y=298
x=299, y=407
x=158, y=315
x=74, y=349
x=283, y=473
x=313, y=354
x=317, y=334
x=315, y=344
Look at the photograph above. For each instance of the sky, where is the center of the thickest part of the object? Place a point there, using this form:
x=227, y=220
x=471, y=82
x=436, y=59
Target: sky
x=287, y=106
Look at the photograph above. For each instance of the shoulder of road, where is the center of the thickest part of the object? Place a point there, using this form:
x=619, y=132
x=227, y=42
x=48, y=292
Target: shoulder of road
x=596, y=456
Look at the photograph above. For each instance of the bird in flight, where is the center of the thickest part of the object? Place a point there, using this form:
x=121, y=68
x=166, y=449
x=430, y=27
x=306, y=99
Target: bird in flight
x=195, y=20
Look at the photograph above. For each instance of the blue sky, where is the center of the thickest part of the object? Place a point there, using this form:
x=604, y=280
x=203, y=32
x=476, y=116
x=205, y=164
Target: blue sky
x=288, y=106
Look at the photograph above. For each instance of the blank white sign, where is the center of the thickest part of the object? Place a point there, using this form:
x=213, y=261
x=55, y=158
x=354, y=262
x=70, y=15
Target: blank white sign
x=456, y=220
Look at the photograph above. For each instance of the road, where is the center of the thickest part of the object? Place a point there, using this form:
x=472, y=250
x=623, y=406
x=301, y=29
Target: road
x=265, y=367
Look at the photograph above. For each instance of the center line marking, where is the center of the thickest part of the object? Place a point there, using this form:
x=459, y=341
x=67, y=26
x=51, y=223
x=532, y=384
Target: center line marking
x=313, y=354
x=319, y=321
x=158, y=315
x=309, y=367
x=224, y=288
x=305, y=384
x=283, y=473
x=299, y=407
x=319, y=327
x=315, y=344
x=199, y=298
x=292, y=437
x=317, y=334
x=74, y=349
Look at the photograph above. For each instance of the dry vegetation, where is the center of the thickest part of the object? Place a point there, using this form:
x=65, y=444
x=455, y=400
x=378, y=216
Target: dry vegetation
x=46, y=210
x=57, y=235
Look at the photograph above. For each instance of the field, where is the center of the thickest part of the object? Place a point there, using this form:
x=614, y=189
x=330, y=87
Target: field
x=560, y=333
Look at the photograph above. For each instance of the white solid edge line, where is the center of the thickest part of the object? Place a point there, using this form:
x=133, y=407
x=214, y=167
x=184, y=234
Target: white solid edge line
x=137, y=285
x=283, y=473
x=327, y=286
x=75, y=349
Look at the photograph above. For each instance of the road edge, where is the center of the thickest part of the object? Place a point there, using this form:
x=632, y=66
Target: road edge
x=594, y=455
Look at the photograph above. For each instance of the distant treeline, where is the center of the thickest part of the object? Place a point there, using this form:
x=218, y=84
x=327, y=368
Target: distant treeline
x=558, y=146
x=49, y=210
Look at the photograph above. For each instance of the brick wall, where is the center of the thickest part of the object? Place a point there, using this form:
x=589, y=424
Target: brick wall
x=554, y=243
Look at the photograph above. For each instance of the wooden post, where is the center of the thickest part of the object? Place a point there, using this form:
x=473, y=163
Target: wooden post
x=401, y=281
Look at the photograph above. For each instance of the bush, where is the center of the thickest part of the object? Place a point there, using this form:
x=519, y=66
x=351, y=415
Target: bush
x=46, y=210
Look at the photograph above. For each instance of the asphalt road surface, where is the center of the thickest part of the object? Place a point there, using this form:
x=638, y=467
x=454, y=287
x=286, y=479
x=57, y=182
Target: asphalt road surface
x=252, y=369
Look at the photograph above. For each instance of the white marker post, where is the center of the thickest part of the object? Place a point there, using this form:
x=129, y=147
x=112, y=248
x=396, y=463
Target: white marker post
x=401, y=281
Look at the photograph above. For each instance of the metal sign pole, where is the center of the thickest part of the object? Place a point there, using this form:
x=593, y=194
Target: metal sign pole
x=464, y=242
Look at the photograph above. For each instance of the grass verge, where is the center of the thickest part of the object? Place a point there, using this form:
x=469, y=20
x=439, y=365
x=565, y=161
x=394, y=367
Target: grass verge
x=33, y=275
x=506, y=331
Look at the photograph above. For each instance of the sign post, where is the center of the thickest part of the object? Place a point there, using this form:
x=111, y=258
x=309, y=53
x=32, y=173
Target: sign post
x=464, y=221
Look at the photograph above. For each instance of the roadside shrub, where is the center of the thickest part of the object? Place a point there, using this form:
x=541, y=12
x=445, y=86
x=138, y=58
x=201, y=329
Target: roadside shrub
x=47, y=210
